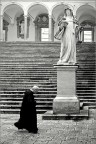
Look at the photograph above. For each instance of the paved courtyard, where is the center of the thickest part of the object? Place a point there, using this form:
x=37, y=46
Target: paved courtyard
x=50, y=131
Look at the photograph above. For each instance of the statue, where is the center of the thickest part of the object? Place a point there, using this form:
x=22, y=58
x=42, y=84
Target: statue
x=66, y=33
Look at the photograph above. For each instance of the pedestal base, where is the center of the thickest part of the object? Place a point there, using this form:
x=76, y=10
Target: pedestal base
x=84, y=114
x=66, y=101
x=66, y=105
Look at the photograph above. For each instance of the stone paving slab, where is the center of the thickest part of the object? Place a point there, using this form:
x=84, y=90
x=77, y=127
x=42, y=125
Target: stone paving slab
x=50, y=131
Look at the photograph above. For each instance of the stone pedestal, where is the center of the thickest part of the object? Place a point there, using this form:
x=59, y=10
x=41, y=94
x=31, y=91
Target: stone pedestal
x=66, y=101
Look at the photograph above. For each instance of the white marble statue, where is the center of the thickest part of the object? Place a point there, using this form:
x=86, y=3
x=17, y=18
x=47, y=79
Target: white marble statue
x=68, y=40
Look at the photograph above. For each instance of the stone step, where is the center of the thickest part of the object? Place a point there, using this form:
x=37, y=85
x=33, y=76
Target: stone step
x=89, y=104
x=46, y=95
x=40, y=102
x=85, y=94
x=92, y=107
x=50, y=94
x=8, y=68
x=17, y=111
x=20, y=99
x=40, y=72
x=15, y=103
x=24, y=77
x=43, y=69
x=88, y=100
x=41, y=81
x=3, y=106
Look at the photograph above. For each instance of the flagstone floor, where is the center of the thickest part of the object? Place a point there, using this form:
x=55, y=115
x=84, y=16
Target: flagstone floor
x=50, y=131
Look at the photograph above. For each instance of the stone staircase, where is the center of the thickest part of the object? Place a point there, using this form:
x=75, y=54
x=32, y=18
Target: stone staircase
x=86, y=74
x=23, y=64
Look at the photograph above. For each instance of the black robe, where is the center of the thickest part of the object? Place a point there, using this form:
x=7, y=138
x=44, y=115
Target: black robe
x=28, y=117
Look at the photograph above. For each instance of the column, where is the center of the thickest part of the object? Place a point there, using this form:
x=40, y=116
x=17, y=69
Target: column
x=36, y=27
x=52, y=31
x=80, y=35
x=1, y=27
x=50, y=28
x=92, y=34
x=28, y=24
x=95, y=34
x=6, y=32
x=83, y=35
x=25, y=27
x=39, y=34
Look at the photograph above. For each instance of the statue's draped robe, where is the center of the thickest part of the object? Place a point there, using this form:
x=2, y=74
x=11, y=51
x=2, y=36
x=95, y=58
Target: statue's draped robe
x=68, y=43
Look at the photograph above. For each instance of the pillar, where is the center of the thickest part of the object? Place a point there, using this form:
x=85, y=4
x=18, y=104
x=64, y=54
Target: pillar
x=53, y=31
x=94, y=33
x=36, y=34
x=50, y=28
x=39, y=34
x=1, y=27
x=25, y=27
x=6, y=31
x=80, y=35
x=83, y=35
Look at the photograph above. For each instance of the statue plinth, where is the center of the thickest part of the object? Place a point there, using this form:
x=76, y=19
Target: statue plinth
x=66, y=101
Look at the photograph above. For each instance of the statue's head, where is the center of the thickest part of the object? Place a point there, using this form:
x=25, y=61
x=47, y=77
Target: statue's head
x=68, y=12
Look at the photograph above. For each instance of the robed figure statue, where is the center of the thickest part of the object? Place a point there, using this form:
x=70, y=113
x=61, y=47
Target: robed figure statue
x=28, y=117
x=66, y=34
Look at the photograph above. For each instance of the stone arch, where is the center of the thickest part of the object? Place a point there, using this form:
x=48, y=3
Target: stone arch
x=9, y=4
x=37, y=3
x=60, y=10
x=86, y=4
x=32, y=7
x=11, y=10
x=86, y=11
x=62, y=3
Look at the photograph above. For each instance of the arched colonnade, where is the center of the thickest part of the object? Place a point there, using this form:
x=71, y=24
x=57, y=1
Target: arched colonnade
x=20, y=21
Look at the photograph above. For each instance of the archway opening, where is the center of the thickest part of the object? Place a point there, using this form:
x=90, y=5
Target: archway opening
x=10, y=29
x=86, y=16
x=39, y=23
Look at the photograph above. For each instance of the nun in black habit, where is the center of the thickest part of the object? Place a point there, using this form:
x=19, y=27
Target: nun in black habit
x=28, y=116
